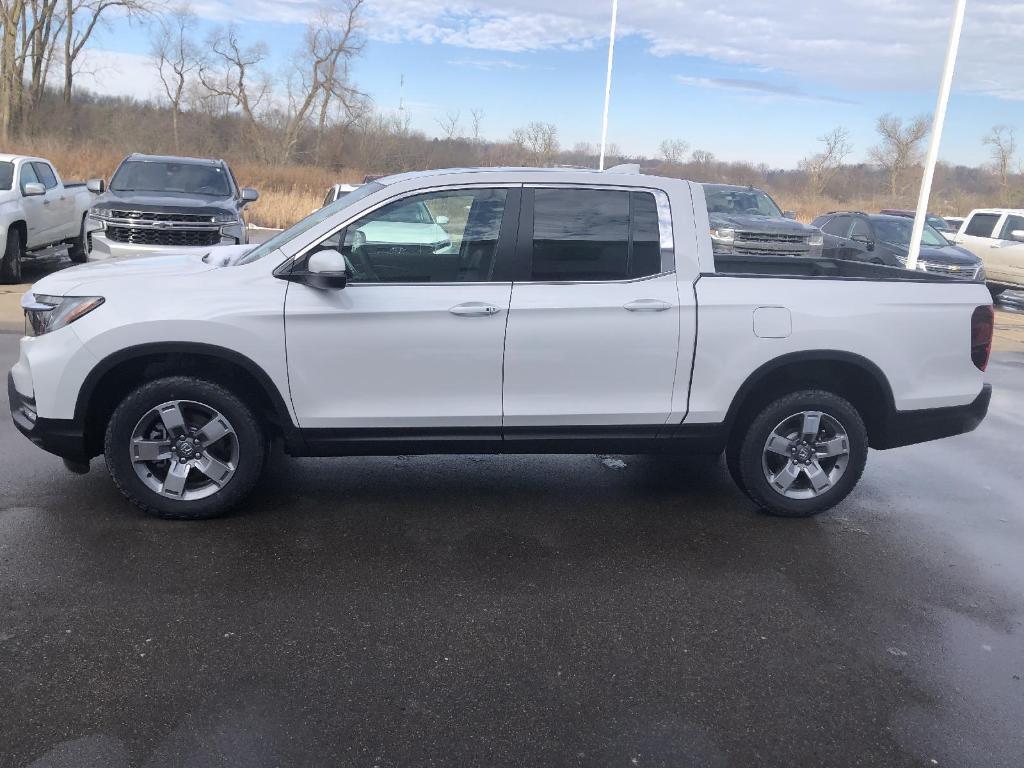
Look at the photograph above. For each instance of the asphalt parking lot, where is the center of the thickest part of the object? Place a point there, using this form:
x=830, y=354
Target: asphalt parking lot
x=520, y=611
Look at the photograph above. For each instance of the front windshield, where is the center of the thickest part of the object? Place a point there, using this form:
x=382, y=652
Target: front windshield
x=309, y=222
x=898, y=231
x=6, y=175
x=187, y=178
x=938, y=222
x=749, y=202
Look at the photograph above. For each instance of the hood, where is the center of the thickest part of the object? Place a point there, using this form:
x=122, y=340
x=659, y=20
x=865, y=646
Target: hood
x=749, y=223
x=950, y=254
x=166, y=202
x=81, y=280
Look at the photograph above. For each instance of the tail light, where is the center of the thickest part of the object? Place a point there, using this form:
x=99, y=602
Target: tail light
x=982, y=326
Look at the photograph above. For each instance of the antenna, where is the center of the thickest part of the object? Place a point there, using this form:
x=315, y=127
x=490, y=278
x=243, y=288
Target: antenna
x=401, y=93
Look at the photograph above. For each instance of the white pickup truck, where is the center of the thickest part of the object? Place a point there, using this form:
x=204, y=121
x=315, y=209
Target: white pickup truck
x=996, y=236
x=567, y=312
x=39, y=211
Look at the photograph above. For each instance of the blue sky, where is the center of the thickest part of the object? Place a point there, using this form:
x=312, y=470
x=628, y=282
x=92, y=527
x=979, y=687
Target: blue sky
x=759, y=82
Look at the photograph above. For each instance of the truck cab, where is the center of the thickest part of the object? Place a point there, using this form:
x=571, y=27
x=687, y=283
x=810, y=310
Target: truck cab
x=996, y=236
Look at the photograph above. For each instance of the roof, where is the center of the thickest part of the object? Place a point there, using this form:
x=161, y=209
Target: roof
x=1000, y=211
x=171, y=159
x=11, y=158
x=541, y=173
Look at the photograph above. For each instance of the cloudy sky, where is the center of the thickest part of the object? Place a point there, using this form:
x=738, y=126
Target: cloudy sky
x=747, y=80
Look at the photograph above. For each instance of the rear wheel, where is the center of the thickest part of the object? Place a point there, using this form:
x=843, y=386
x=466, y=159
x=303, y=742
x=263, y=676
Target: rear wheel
x=10, y=262
x=184, y=448
x=78, y=249
x=803, y=454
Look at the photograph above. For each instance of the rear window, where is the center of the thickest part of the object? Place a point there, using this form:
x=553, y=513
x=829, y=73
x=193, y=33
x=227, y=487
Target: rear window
x=982, y=225
x=6, y=175
x=587, y=235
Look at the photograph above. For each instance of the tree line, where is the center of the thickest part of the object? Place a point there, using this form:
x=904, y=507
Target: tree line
x=221, y=96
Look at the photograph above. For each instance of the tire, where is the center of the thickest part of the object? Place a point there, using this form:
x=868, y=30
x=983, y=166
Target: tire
x=996, y=291
x=10, y=262
x=184, y=427
x=78, y=250
x=818, y=473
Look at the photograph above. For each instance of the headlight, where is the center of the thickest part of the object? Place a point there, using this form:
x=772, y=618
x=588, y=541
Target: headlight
x=50, y=313
x=816, y=240
x=901, y=259
x=225, y=218
x=981, y=275
x=723, y=235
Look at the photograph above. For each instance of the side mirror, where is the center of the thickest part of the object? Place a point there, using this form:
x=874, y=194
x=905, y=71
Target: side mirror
x=97, y=186
x=1017, y=235
x=250, y=195
x=327, y=270
x=32, y=189
x=790, y=214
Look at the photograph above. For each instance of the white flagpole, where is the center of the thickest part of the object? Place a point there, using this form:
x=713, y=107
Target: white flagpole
x=608, y=83
x=936, y=140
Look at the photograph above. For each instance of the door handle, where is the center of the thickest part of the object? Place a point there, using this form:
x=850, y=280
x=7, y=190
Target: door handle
x=647, y=305
x=474, y=309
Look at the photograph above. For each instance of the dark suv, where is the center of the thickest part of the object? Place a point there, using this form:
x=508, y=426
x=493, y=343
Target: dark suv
x=881, y=239
x=158, y=204
x=746, y=222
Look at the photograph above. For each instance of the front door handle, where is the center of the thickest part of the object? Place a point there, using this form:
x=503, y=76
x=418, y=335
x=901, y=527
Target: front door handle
x=474, y=309
x=647, y=305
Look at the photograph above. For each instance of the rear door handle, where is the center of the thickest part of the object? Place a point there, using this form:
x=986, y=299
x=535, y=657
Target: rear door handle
x=647, y=305
x=474, y=309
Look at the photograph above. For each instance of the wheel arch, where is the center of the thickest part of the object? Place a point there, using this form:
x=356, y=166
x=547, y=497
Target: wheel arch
x=119, y=373
x=846, y=374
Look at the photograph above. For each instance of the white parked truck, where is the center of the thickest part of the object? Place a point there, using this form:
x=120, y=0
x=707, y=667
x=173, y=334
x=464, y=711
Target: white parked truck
x=565, y=311
x=996, y=236
x=38, y=211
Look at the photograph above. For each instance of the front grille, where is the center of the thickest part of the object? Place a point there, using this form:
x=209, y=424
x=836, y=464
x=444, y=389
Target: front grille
x=150, y=216
x=951, y=270
x=190, y=238
x=770, y=237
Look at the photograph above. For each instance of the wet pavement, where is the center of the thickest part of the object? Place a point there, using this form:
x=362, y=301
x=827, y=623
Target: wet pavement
x=520, y=611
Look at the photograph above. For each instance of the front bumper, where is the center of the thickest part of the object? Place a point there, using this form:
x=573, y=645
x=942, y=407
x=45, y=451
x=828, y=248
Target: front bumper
x=912, y=427
x=103, y=248
x=62, y=437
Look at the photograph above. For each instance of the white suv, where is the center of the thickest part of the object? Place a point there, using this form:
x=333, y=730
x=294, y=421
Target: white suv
x=489, y=311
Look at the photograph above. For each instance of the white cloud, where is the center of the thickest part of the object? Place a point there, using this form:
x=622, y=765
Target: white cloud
x=111, y=73
x=759, y=88
x=487, y=65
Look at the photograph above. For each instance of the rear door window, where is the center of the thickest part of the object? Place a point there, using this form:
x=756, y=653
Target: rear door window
x=591, y=235
x=982, y=225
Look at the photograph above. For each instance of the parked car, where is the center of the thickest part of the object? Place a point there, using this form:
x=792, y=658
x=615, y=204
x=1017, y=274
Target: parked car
x=996, y=236
x=883, y=239
x=38, y=211
x=565, y=323
x=338, y=191
x=937, y=223
x=157, y=204
x=747, y=221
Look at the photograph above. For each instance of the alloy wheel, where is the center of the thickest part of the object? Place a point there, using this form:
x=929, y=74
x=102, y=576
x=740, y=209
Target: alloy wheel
x=806, y=455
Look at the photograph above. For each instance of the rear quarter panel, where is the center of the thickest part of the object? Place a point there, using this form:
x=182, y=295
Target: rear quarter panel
x=918, y=334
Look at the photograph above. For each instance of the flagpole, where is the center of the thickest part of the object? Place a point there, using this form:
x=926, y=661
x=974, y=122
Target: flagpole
x=608, y=83
x=936, y=139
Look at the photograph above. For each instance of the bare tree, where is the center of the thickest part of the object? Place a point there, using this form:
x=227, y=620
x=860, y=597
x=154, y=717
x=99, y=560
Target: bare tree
x=477, y=118
x=673, y=150
x=1003, y=143
x=702, y=157
x=81, y=18
x=900, y=148
x=821, y=168
x=176, y=58
x=450, y=125
x=232, y=73
x=539, y=140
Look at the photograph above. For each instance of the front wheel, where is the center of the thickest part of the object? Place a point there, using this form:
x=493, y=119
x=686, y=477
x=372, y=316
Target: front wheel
x=10, y=261
x=803, y=454
x=78, y=249
x=184, y=448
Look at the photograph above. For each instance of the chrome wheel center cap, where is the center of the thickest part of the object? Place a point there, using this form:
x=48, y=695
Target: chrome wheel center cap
x=802, y=453
x=186, y=448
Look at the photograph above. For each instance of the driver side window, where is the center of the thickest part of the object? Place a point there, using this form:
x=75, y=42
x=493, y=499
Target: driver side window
x=439, y=237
